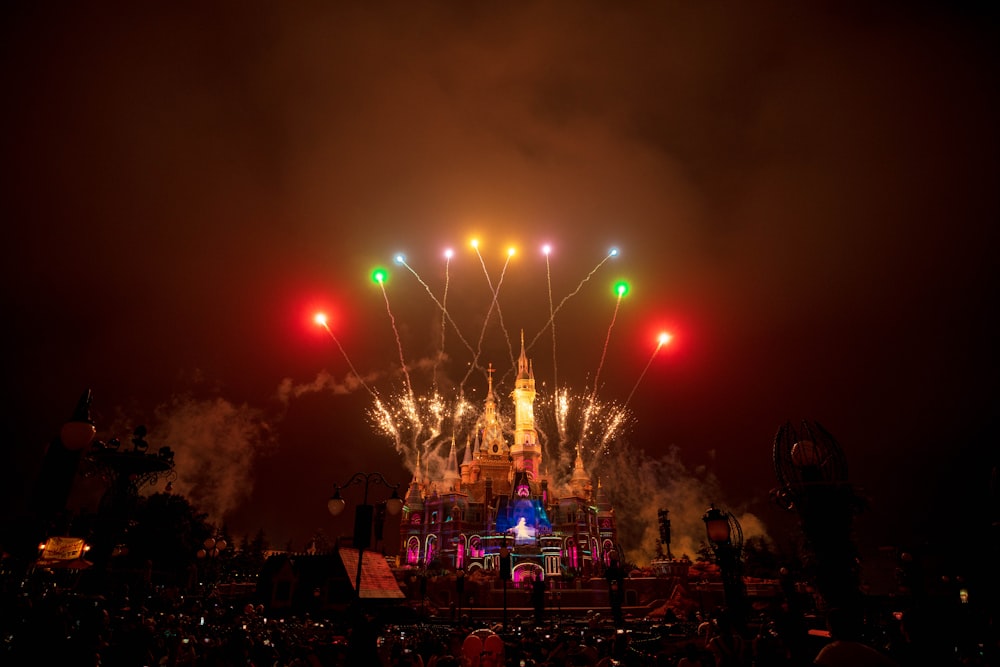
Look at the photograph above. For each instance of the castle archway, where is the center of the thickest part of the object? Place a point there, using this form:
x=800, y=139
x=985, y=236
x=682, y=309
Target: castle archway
x=527, y=572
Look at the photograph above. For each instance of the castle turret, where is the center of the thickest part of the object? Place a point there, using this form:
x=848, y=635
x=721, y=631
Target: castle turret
x=414, y=498
x=452, y=477
x=580, y=482
x=526, y=451
x=466, y=467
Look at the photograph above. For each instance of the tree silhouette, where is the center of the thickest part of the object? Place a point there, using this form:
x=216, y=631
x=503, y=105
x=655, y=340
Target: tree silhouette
x=761, y=560
x=167, y=531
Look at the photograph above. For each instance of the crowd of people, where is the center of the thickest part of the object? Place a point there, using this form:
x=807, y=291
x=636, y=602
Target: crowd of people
x=62, y=627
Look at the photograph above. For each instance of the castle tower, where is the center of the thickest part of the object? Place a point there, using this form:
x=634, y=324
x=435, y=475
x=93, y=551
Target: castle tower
x=467, y=463
x=475, y=467
x=414, y=503
x=493, y=443
x=580, y=482
x=526, y=451
x=452, y=476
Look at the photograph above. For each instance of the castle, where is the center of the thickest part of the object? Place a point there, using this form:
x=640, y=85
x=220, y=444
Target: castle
x=498, y=501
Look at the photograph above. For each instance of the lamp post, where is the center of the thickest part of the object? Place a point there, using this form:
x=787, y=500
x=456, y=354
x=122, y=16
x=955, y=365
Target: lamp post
x=725, y=535
x=460, y=591
x=364, y=513
x=209, y=551
x=504, y=576
x=811, y=471
x=59, y=468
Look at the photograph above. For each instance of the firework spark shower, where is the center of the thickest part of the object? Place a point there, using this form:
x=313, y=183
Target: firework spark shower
x=422, y=410
x=805, y=200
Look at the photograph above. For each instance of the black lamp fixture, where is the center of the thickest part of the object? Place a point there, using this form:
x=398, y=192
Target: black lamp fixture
x=811, y=471
x=717, y=526
x=364, y=513
x=79, y=431
x=725, y=535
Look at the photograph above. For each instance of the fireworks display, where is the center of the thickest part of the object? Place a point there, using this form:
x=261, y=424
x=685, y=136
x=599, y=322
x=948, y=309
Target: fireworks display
x=423, y=409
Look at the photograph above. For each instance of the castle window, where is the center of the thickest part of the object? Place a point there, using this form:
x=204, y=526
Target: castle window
x=608, y=548
x=431, y=548
x=413, y=551
x=572, y=553
x=475, y=547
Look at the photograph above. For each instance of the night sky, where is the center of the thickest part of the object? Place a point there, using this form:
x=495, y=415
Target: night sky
x=804, y=197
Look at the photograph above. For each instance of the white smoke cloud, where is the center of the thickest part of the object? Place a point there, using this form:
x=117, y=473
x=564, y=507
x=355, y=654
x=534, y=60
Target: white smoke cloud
x=638, y=486
x=288, y=389
x=216, y=444
x=326, y=382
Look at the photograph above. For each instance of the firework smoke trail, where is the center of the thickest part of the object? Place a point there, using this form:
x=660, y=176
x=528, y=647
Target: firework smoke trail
x=436, y=406
x=616, y=418
x=607, y=423
x=604, y=352
x=600, y=365
x=552, y=318
x=321, y=320
x=402, y=425
x=410, y=405
x=663, y=340
x=444, y=311
x=482, y=333
x=612, y=253
x=384, y=419
x=379, y=411
x=503, y=327
x=414, y=420
x=562, y=411
x=493, y=305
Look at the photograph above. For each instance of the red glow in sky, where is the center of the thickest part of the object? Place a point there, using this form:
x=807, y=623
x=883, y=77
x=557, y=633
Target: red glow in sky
x=805, y=201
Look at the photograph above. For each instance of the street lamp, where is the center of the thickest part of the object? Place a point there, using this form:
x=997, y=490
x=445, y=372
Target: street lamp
x=725, y=535
x=79, y=431
x=59, y=468
x=364, y=514
x=811, y=471
x=211, y=547
x=459, y=591
x=505, y=576
x=209, y=551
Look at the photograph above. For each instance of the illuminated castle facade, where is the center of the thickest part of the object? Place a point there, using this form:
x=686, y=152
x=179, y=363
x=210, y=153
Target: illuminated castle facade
x=499, y=497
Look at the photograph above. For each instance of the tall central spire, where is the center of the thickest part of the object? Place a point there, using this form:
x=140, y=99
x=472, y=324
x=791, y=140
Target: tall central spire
x=526, y=451
x=524, y=371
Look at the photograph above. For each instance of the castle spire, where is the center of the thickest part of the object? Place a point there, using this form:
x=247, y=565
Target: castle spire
x=526, y=451
x=579, y=472
x=414, y=495
x=492, y=431
x=467, y=459
x=452, y=476
x=580, y=481
x=523, y=365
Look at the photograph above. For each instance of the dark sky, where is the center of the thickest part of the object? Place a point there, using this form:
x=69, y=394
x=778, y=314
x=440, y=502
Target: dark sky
x=806, y=197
